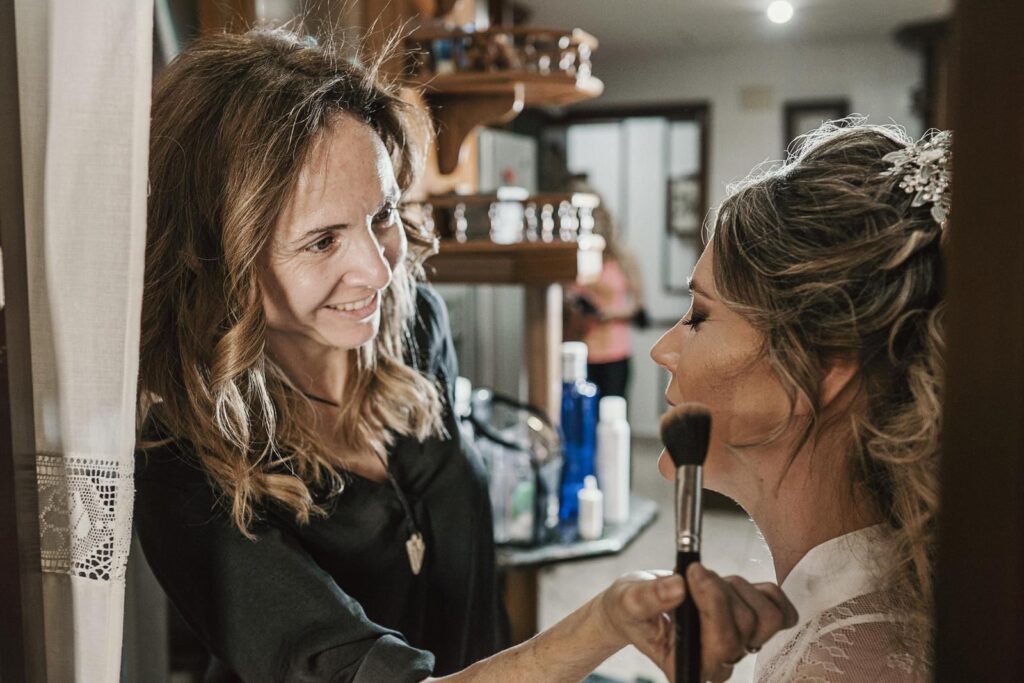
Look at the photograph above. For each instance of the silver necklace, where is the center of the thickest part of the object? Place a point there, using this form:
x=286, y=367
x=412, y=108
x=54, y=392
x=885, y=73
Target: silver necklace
x=415, y=546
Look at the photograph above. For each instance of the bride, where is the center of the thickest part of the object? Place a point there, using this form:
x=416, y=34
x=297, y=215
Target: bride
x=815, y=338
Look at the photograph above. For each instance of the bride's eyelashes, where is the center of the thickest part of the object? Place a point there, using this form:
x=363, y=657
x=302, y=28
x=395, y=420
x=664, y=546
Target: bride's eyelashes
x=695, y=320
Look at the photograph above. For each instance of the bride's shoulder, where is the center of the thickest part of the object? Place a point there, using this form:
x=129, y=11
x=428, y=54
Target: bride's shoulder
x=857, y=640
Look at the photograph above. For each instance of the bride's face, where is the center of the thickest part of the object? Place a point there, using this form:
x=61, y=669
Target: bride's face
x=715, y=357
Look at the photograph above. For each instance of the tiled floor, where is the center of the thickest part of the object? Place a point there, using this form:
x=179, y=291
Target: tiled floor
x=731, y=546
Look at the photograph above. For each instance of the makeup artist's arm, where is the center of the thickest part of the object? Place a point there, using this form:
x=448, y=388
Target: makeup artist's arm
x=577, y=644
x=635, y=610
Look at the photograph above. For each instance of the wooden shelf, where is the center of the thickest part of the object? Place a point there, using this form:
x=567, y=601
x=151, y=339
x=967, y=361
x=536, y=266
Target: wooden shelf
x=524, y=263
x=566, y=37
x=616, y=538
x=587, y=200
x=539, y=90
x=463, y=101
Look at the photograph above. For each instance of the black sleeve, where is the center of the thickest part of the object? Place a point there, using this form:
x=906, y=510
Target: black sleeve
x=263, y=607
x=434, y=349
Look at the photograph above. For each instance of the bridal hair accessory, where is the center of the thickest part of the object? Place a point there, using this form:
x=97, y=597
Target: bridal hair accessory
x=925, y=168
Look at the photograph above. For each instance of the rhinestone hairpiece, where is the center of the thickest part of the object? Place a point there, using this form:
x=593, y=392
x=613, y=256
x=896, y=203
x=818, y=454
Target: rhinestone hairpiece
x=925, y=168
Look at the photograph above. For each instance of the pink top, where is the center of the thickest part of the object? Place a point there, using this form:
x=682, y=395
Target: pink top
x=608, y=342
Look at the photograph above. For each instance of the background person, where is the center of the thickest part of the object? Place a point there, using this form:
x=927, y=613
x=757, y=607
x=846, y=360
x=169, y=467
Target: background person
x=602, y=313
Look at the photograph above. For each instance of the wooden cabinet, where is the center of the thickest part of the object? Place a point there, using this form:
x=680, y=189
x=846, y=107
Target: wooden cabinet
x=461, y=101
x=541, y=268
x=530, y=67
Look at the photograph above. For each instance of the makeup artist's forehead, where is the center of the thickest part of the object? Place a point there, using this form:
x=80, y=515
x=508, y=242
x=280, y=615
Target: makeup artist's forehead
x=347, y=176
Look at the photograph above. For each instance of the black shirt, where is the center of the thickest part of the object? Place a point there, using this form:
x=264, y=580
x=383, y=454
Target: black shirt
x=335, y=600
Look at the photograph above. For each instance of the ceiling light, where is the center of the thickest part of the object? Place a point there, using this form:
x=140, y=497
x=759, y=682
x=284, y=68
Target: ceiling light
x=780, y=11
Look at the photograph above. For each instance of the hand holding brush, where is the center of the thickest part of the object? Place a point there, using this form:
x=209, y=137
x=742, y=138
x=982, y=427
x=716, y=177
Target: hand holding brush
x=719, y=621
x=685, y=430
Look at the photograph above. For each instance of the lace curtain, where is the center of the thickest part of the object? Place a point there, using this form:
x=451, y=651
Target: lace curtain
x=85, y=70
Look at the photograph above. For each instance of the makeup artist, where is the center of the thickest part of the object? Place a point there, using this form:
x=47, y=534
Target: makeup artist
x=302, y=493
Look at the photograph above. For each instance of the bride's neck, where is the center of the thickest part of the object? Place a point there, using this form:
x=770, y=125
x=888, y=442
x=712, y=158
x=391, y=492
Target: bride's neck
x=813, y=503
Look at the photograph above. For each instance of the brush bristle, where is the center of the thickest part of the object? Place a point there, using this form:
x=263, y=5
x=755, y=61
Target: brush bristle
x=685, y=431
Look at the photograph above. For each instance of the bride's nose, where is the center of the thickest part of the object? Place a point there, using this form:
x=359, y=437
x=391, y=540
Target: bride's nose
x=665, y=351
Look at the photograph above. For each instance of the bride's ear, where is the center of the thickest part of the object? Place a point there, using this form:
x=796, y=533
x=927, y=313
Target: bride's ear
x=839, y=372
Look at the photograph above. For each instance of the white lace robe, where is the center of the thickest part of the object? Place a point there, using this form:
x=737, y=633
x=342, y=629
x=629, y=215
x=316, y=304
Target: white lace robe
x=845, y=634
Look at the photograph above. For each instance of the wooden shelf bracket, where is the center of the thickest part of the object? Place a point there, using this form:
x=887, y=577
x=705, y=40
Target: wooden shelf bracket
x=458, y=115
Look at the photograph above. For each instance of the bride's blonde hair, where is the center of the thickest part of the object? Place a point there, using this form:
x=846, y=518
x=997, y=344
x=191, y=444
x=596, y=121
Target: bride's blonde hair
x=827, y=257
x=234, y=119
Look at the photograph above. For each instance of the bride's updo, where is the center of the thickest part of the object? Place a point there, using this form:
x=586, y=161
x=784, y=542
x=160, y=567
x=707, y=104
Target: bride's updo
x=831, y=256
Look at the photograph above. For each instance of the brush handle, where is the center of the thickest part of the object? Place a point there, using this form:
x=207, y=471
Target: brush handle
x=688, y=659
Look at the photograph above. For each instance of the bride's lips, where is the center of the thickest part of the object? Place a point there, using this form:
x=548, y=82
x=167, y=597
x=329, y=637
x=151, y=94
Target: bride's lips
x=359, y=313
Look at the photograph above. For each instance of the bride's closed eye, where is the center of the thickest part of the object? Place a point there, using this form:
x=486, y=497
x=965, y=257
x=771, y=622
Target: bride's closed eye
x=695, y=319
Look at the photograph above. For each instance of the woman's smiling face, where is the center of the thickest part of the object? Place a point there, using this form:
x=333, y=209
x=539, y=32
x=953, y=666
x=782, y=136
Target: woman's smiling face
x=715, y=357
x=336, y=243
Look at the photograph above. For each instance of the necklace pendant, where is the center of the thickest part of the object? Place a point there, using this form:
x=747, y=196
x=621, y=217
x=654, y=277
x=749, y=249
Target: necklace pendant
x=415, y=547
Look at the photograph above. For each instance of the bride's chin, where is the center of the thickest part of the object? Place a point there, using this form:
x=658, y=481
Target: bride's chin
x=714, y=477
x=711, y=483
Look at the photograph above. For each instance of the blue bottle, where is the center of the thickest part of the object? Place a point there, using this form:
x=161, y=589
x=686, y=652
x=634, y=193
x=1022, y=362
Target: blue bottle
x=579, y=429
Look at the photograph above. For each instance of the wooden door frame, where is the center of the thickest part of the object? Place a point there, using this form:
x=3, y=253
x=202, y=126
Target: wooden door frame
x=980, y=572
x=22, y=643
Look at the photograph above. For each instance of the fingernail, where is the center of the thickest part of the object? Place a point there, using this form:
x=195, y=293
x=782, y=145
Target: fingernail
x=670, y=588
x=697, y=572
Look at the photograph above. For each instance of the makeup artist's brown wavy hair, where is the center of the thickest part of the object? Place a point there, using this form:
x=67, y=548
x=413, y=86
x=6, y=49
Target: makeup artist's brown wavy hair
x=826, y=258
x=234, y=118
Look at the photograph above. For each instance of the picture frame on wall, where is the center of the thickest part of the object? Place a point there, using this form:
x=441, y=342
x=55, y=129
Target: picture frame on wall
x=683, y=239
x=684, y=206
x=803, y=116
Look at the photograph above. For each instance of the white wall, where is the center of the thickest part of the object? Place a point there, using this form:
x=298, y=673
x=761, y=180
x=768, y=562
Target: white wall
x=876, y=76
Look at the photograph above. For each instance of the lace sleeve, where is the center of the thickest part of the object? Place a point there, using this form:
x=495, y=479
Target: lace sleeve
x=854, y=642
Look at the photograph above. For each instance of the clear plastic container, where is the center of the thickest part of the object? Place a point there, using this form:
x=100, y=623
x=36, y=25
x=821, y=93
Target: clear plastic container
x=522, y=452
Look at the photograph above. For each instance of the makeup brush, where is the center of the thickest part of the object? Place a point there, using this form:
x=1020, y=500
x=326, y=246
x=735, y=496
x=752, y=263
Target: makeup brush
x=685, y=430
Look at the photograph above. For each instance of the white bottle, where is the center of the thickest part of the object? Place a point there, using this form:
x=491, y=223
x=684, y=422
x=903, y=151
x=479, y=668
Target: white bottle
x=591, y=500
x=463, y=407
x=613, y=456
x=463, y=396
